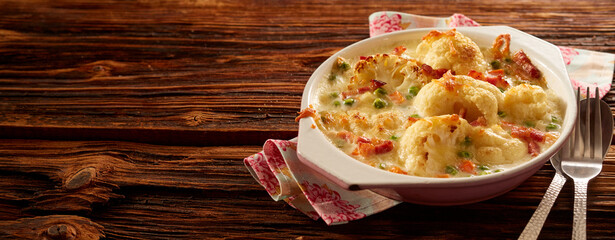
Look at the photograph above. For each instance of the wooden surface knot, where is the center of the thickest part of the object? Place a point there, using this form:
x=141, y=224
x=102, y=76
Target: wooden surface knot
x=61, y=232
x=80, y=179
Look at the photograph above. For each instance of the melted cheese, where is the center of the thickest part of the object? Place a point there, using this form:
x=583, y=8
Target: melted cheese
x=396, y=113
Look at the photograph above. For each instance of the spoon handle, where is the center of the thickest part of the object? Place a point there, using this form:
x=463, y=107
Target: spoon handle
x=533, y=227
x=580, y=209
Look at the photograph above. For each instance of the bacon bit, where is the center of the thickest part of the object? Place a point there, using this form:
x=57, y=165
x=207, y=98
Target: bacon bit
x=384, y=147
x=376, y=84
x=433, y=73
x=476, y=75
x=307, y=112
x=528, y=69
x=362, y=57
x=444, y=175
x=480, y=121
x=501, y=46
x=467, y=166
x=529, y=135
x=366, y=149
x=397, y=97
x=313, y=126
x=496, y=78
x=533, y=148
x=399, y=50
x=397, y=170
x=525, y=132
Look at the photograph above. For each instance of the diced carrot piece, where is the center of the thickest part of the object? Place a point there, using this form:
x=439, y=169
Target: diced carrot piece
x=467, y=166
x=397, y=98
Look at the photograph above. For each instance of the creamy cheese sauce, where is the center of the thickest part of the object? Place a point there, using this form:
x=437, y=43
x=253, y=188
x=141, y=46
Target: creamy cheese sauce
x=441, y=107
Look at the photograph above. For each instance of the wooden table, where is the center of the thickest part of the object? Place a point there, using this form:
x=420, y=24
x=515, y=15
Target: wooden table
x=130, y=119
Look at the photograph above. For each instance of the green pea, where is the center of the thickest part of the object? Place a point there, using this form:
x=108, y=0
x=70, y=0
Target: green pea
x=413, y=91
x=415, y=116
x=336, y=103
x=349, y=101
x=379, y=103
x=451, y=170
x=483, y=168
x=394, y=137
x=381, y=166
x=334, y=94
x=501, y=114
x=332, y=77
x=464, y=154
x=380, y=92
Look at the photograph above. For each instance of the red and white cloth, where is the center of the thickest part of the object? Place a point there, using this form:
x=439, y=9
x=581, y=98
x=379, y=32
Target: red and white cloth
x=278, y=169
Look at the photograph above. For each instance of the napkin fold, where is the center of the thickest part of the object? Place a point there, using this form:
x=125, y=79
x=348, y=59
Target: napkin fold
x=278, y=169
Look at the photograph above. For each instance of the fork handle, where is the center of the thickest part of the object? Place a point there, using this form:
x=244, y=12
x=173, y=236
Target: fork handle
x=533, y=227
x=580, y=209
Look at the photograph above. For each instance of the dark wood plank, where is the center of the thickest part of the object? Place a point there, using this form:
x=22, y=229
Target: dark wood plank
x=187, y=72
x=162, y=192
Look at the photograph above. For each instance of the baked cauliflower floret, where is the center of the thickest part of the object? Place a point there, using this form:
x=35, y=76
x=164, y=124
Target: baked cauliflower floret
x=382, y=125
x=390, y=69
x=530, y=105
x=430, y=144
x=460, y=94
x=451, y=50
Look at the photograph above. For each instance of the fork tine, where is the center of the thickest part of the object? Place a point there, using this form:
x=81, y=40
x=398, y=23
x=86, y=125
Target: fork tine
x=597, y=153
x=587, y=131
x=577, y=130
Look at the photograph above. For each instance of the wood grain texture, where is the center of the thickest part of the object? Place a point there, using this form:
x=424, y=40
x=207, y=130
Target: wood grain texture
x=193, y=192
x=182, y=72
x=163, y=99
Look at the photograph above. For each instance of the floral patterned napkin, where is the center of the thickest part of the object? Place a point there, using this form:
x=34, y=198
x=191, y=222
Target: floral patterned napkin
x=284, y=177
x=278, y=169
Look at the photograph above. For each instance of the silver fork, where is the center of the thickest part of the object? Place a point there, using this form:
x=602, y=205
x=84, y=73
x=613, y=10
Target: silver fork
x=582, y=156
